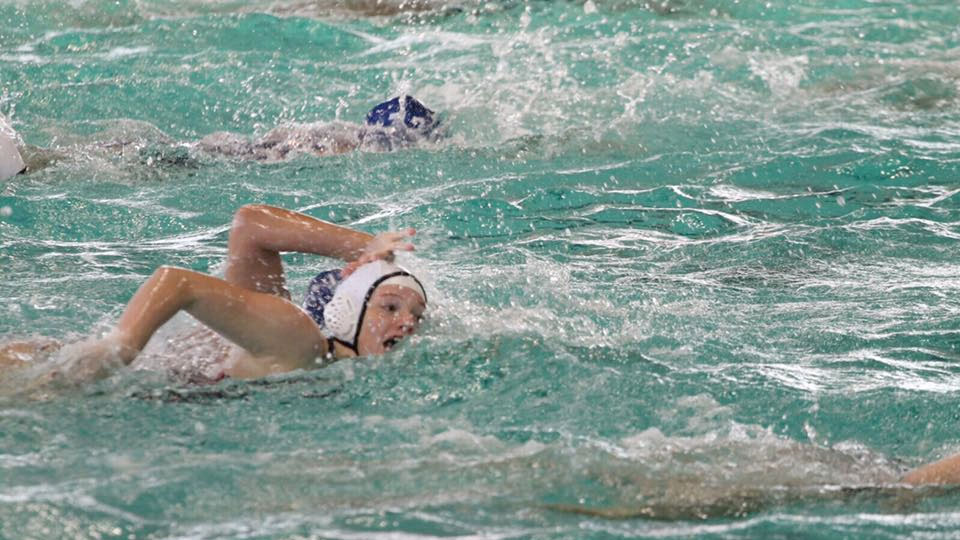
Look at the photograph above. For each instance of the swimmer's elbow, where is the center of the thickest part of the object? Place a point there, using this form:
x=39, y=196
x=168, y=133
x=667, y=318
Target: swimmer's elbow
x=248, y=213
x=166, y=272
x=247, y=222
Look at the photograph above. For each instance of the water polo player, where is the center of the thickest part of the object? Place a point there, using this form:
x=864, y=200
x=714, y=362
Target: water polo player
x=396, y=123
x=365, y=308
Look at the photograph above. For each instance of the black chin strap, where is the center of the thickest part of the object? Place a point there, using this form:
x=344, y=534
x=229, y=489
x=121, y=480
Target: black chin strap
x=333, y=340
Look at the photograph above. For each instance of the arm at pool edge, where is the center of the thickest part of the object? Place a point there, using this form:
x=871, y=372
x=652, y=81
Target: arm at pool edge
x=944, y=471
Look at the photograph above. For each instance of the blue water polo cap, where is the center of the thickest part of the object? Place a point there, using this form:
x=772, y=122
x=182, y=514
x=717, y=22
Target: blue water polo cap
x=320, y=292
x=415, y=114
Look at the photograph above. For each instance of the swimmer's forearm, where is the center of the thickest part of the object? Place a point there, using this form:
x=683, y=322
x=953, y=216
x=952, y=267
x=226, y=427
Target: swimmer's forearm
x=269, y=228
x=264, y=324
x=945, y=471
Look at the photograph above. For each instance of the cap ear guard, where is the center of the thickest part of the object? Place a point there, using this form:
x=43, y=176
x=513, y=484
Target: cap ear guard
x=341, y=316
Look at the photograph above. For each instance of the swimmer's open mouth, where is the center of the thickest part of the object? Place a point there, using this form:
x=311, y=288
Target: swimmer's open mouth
x=388, y=344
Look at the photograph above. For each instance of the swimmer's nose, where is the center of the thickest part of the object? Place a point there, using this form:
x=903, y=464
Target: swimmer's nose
x=408, y=323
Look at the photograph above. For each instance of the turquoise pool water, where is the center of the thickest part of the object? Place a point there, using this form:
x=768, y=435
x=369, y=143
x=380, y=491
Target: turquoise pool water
x=694, y=266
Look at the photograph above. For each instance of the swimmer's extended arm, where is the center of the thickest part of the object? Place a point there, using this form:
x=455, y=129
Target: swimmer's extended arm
x=260, y=233
x=278, y=333
x=945, y=471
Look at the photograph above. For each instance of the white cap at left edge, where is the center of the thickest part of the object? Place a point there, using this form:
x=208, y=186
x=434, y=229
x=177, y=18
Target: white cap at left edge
x=10, y=161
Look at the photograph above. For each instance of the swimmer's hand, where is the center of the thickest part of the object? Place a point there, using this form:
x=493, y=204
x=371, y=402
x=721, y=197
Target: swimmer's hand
x=381, y=247
x=85, y=362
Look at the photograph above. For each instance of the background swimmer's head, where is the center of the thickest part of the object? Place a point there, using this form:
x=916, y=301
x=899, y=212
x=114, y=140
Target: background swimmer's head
x=375, y=307
x=399, y=122
x=415, y=114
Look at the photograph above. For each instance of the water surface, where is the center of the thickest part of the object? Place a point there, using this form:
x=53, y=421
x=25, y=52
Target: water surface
x=693, y=267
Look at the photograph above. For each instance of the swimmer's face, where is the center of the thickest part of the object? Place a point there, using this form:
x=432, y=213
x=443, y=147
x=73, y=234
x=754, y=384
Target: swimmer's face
x=393, y=313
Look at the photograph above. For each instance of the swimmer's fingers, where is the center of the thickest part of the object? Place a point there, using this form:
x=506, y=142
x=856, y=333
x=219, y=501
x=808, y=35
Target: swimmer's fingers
x=388, y=242
x=382, y=247
x=364, y=259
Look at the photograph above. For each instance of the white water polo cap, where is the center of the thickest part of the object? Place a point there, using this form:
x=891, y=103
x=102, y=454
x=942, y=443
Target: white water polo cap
x=10, y=161
x=343, y=315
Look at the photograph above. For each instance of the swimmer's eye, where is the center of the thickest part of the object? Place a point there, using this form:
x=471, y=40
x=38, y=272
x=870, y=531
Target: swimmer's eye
x=392, y=308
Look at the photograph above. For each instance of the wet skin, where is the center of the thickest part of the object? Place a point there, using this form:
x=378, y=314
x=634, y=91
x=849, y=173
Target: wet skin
x=393, y=313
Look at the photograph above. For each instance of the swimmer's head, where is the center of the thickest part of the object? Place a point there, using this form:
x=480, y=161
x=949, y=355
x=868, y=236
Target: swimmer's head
x=375, y=307
x=415, y=114
x=397, y=122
